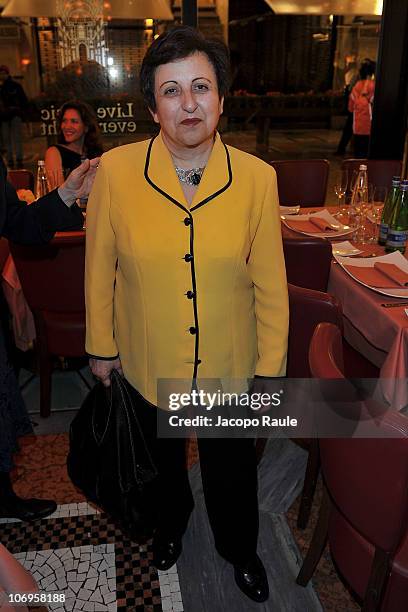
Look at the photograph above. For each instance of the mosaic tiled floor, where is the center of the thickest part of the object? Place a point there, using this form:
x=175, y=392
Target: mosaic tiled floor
x=88, y=558
x=84, y=574
x=78, y=528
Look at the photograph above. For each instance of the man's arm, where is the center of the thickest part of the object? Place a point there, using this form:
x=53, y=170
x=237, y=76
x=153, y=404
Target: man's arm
x=38, y=222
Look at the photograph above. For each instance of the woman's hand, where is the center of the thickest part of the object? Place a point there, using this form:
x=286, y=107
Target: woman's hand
x=79, y=182
x=102, y=368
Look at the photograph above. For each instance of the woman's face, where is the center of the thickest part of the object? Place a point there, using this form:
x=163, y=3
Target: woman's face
x=72, y=126
x=187, y=102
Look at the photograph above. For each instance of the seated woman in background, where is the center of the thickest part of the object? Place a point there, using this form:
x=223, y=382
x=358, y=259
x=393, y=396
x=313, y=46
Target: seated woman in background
x=78, y=138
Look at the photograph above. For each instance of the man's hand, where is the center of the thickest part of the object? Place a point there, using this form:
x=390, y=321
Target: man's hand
x=102, y=368
x=79, y=182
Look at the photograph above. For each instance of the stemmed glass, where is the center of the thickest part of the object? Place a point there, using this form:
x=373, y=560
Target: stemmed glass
x=369, y=214
x=358, y=212
x=376, y=198
x=340, y=189
x=352, y=182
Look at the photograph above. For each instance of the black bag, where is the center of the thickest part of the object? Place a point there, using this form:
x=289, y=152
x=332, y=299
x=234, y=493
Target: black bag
x=108, y=457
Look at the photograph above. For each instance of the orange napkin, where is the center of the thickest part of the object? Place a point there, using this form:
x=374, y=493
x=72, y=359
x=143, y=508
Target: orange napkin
x=381, y=275
x=393, y=272
x=311, y=226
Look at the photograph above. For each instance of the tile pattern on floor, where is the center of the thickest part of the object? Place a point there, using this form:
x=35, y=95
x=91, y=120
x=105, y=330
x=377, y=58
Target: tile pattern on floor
x=86, y=575
x=170, y=590
x=41, y=471
x=64, y=510
x=73, y=545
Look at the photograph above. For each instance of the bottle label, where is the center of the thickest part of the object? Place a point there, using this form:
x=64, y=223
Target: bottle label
x=397, y=238
x=383, y=232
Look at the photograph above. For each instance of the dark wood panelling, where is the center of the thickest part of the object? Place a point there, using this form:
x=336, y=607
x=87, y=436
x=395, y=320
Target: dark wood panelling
x=391, y=92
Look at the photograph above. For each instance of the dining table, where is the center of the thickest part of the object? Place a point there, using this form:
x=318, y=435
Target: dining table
x=376, y=325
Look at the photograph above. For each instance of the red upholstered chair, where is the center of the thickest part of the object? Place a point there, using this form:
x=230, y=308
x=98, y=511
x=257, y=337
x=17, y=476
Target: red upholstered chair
x=308, y=308
x=52, y=279
x=307, y=261
x=21, y=179
x=302, y=181
x=364, y=513
x=380, y=171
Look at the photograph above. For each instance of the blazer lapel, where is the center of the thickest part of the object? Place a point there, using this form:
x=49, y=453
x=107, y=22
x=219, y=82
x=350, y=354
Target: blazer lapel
x=160, y=172
x=161, y=175
x=217, y=175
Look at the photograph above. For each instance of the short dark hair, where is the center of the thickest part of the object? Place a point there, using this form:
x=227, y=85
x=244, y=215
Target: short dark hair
x=92, y=141
x=178, y=43
x=367, y=69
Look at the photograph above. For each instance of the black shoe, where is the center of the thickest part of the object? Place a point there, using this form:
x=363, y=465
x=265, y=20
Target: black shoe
x=252, y=580
x=26, y=509
x=165, y=552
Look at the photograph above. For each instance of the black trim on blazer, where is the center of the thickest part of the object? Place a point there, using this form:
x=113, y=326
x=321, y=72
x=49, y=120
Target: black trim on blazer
x=217, y=193
x=197, y=361
x=102, y=358
x=173, y=200
x=195, y=309
x=156, y=187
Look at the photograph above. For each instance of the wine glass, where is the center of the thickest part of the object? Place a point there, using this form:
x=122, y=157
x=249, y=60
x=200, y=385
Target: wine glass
x=369, y=211
x=350, y=187
x=340, y=189
x=376, y=199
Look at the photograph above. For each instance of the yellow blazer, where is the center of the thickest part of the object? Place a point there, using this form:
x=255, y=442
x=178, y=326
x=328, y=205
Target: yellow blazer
x=179, y=292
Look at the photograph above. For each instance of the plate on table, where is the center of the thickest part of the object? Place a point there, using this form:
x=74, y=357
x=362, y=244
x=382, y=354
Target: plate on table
x=339, y=229
x=345, y=249
x=289, y=210
x=391, y=258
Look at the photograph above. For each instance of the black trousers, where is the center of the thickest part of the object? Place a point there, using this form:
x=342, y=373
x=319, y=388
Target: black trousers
x=229, y=477
x=361, y=144
x=14, y=420
x=346, y=134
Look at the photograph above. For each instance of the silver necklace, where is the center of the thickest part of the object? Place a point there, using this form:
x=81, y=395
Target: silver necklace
x=191, y=177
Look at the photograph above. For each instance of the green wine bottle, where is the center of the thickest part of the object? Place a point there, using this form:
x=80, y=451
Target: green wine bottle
x=398, y=228
x=388, y=209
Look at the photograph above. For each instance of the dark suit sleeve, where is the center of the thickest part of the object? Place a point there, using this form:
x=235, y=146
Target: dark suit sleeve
x=37, y=223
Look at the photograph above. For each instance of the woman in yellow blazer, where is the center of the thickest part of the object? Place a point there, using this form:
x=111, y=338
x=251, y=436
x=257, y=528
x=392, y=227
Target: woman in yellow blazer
x=185, y=280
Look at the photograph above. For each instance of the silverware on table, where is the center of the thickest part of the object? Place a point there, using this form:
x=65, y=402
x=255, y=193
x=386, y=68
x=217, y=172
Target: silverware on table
x=395, y=304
